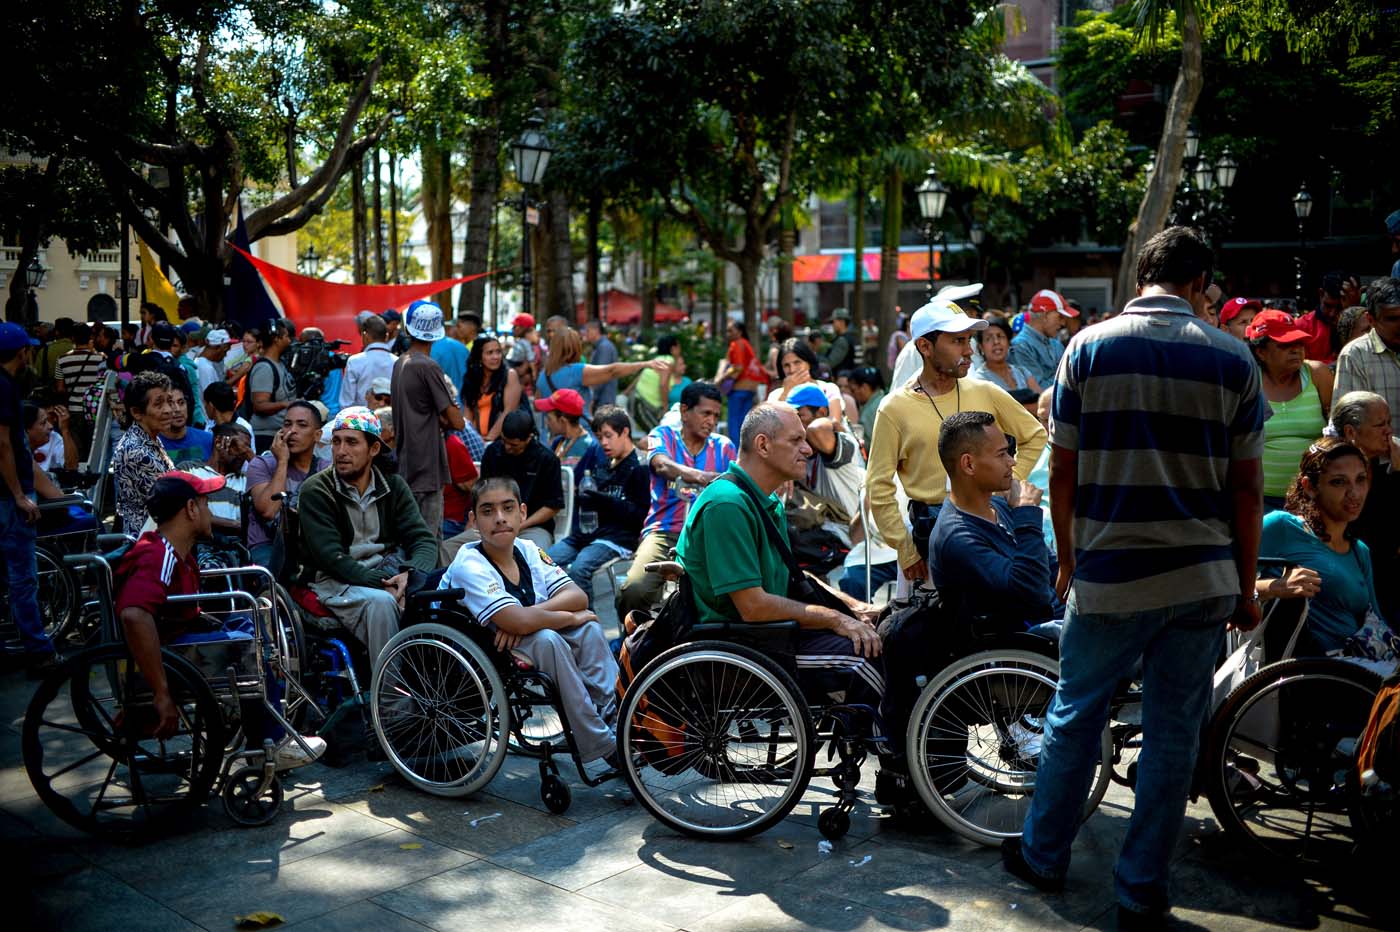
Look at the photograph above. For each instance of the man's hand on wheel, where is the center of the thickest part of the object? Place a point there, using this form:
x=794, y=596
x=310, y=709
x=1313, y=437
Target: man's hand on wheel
x=867, y=642
x=167, y=716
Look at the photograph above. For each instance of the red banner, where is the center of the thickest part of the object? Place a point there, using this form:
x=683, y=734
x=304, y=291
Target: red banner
x=331, y=306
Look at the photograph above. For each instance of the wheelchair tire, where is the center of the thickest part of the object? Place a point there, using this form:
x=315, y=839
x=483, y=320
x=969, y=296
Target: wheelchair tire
x=440, y=710
x=90, y=763
x=536, y=722
x=974, y=741
x=1278, y=756
x=59, y=594
x=716, y=740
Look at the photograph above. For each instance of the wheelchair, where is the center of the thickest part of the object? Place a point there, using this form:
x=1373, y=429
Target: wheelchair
x=87, y=736
x=446, y=705
x=718, y=741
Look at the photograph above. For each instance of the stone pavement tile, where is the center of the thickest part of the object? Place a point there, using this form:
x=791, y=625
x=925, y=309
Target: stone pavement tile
x=43, y=857
x=582, y=854
x=519, y=781
x=94, y=900
x=792, y=905
x=339, y=784
x=171, y=868
x=680, y=879
x=319, y=884
x=500, y=823
x=483, y=896
x=358, y=918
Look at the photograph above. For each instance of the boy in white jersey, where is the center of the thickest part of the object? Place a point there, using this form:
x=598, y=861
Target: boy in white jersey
x=514, y=588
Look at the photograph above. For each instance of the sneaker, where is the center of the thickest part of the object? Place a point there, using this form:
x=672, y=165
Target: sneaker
x=1015, y=864
x=291, y=756
x=40, y=666
x=1028, y=740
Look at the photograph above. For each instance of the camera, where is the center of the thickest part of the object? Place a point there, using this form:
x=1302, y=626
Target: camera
x=310, y=360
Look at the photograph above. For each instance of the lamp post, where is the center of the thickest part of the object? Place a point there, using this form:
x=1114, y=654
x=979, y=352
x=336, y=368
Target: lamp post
x=1302, y=207
x=933, y=198
x=34, y=274
x=311, y=261
x=530, y=155
x=978, y=234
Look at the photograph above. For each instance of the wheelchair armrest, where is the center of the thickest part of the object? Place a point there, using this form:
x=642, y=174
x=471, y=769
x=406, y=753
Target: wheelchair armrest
x=432, y=596
x=669, y=570
x=61, y=503
x=113, y=541
x=763, y=630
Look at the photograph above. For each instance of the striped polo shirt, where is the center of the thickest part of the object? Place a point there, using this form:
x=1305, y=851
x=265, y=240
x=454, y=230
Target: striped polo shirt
x=1157, y=405
x=667, y=514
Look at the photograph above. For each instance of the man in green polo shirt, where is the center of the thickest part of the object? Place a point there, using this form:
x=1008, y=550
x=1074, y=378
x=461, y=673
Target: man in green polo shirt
x=739, y=574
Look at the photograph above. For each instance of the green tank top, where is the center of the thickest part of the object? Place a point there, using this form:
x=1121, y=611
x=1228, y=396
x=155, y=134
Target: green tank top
x=1296, y=424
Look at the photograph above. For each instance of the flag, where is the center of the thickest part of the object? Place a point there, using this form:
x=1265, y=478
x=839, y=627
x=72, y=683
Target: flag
x=158, y=289
x=245, y=298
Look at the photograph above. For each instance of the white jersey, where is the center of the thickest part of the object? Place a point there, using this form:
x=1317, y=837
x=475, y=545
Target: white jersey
x=487, y=591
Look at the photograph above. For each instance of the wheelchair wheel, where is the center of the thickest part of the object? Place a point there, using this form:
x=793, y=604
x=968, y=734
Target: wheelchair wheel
x=58, y=594
x=440, y=710
x=536, y=721
x=716, y=740
x=1278, y=755
x=89, y=755
x=974, y=742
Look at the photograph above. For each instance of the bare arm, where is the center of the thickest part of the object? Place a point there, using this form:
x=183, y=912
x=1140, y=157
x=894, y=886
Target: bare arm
x=754, y=604
x=45, y=486
x=598, y=375
x=1322, y=377
x=263, y=404
x=821, y=435
x=1246, y=484
x=144, y=641
x=512, y=401
x=1064, y=485
x=527, y=619
x=451, y=417
x=667, y=468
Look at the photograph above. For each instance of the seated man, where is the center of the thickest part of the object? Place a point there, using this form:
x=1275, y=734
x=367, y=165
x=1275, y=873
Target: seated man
x=357, y=526
x=987, y=555
x=185, y=444
x=518, y=454
x=280, y=471
x=563, y=418
x=514, y=588
x=610, y=511
x=835, y=475
x=162, y=564
x=739, y=573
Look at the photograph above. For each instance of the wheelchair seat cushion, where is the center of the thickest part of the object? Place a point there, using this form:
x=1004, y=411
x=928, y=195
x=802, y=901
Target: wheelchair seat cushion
x=310, y=601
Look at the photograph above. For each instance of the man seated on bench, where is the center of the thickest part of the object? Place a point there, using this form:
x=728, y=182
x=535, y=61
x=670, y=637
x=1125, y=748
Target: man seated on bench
x=162, y=564
x=358, y=525
x=835, y=475
x=514, y=588
x=732, y=548
x=987, y=555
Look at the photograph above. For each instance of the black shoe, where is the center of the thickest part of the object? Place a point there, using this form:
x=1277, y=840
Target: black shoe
x=1016, y=865
x=41, y=666
x=1134, y=920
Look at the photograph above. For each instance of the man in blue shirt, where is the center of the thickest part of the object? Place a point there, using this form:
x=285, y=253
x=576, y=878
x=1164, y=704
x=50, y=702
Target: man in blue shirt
x=1037, y=348
x=450, y=354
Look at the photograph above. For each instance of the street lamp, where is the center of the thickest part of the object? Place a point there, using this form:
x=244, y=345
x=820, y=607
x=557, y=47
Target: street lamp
x=1204, y=174
x=530, y=155
x=1225, y=170
x=1302, y=208
x=1193, y=142
x=977, y=234
x=34, y=274
x=311, y=261
x=933, y=198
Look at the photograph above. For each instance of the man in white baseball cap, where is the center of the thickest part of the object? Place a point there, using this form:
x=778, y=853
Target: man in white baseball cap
x=210, y=363
x=1037, y=348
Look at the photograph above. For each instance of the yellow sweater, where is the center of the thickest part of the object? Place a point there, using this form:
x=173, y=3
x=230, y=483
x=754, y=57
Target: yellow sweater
x=906, y=444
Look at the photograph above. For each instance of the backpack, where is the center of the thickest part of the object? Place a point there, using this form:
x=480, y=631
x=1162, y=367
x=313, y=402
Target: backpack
x=817, y=550
x=645, y=637
x=245, y=400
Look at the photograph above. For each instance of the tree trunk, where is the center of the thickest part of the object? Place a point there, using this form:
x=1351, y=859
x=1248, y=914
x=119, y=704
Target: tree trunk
x=651, y=266
x=717, y=309
x=857, y=291
x=395, y=272
x=1161, y=187
x=377, y=236
x=787, y=242
x=436, y=193
x=748, y=280
x=357, y=222
x=595, y=210
x=486, y=180
x=495, y=264
x=30, y=233
x=561, y=249
x=889, y=255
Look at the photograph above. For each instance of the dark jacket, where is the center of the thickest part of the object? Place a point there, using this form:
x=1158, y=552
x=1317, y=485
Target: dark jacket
x=536, y=471
x=997, y=572
x=326, y=534
x=621, y=500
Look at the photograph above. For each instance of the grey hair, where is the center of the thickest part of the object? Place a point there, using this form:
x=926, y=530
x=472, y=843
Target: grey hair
x=1383, y=292
x=764, y=419
x=386, y=416
x=1350, y=410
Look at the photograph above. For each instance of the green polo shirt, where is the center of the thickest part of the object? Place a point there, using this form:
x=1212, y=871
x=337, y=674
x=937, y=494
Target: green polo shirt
x=724, y=547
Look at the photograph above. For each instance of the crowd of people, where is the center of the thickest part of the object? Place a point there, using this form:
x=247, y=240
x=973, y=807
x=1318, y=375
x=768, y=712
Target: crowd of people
x=1110, y=485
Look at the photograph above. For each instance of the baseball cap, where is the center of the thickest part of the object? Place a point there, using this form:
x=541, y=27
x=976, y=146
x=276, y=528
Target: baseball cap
x=565, y=401
x=942, y=317
x=218, y=338
x=391, y=314
x=425, y=321
x=380, y=386
x=1046, y=301
x=522, y=320
x=163, y=335
x=841, y=313
x=176, y=487
x=13, y=337
x=1392, y=224
x=1277, y=325
x=357, y=418
x=809, y=396
x=1234, y=306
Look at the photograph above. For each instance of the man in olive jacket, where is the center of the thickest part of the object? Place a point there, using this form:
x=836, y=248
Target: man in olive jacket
x=357, y=526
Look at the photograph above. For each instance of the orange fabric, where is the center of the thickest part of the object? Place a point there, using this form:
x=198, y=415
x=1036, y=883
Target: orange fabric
x=483, y=414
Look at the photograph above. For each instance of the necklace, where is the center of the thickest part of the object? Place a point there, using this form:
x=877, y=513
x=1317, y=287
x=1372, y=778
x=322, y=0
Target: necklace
x=957, y=387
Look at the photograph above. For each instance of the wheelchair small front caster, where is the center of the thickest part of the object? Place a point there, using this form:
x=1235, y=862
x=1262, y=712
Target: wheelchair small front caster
x=834, y=823
x=242, y=801
x=555, y=793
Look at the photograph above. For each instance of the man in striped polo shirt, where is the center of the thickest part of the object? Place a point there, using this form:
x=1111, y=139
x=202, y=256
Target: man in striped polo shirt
x=695, y=455
x=1156, y=497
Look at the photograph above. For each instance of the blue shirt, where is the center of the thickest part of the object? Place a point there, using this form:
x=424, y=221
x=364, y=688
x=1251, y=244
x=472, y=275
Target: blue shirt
x=12, y=419
x=196, y=446
x=996, y=571
x=1036, y=353
x=570, y=376
x=1348, y=588
x=1157, y=404
x=604, y=354
x=451, y=356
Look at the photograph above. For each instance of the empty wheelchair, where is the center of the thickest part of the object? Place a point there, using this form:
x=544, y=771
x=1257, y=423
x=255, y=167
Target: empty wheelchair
x=87, y=737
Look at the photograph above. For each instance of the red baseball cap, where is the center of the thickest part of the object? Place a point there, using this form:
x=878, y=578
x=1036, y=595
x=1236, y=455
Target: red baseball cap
x=1232, y=308
x=1046, y=301
x=522, y=320
x=565, y=401
x=1277, y=325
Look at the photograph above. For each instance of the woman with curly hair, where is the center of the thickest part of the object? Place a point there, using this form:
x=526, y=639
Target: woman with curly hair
x=1332, y=567
x=490, y=389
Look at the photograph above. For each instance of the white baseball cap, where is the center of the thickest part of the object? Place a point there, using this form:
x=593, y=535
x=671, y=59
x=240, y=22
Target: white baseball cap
x=424, y=321
x=217, y=338
x=942, y=317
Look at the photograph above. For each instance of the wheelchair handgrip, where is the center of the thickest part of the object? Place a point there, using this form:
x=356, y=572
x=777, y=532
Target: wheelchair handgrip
x=429, y=596
x=113, y=541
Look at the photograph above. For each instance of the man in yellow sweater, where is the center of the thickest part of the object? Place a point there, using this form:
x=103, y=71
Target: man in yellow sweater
x=905, y=441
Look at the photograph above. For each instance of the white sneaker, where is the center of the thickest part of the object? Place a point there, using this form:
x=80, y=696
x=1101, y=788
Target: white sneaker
x=290, y=755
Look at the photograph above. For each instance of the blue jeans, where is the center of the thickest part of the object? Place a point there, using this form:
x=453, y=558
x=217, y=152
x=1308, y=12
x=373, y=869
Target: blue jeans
x=17, y=538
x=1178, y=646
x=580, y=557
x=740, y=404
x=452, y=528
